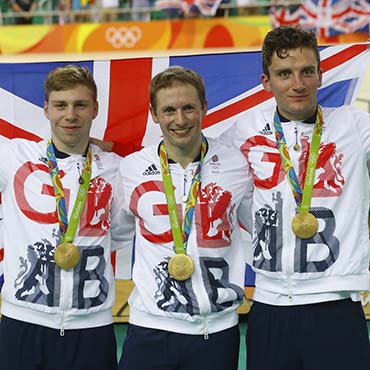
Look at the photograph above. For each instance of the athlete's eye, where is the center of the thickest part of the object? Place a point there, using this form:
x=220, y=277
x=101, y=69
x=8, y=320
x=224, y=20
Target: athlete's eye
x=189, y=108
x=284, y=74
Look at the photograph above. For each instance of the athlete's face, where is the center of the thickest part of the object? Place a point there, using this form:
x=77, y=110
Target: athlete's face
x=70, y=113
x=294, y=81
x=179, y=112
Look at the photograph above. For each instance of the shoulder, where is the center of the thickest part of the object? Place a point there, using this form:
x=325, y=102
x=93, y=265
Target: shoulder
x=149, y=150
x=136, y=160
x=103, y=155
x=224, y=151
x=343, y=109
x=345, y=114
x=16, y=152
x=257, y=114
x=23, y=145
x=108, y=160
x=252, y=122
x=218, y=143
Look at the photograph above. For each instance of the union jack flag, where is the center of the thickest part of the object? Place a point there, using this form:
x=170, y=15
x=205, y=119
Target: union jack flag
x=285, y=15
x=326, y=17
x=232, y=84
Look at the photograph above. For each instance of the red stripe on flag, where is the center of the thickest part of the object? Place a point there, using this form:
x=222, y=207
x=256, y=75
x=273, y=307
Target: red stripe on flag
x=235, y=108
x=128, y=103
x=308, y=12
x=261, y=96
x=343, y=56
x=10, y=131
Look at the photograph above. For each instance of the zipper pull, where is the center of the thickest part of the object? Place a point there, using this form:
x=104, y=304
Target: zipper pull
x=61, y=333
x=80, y=178
x=205, y=329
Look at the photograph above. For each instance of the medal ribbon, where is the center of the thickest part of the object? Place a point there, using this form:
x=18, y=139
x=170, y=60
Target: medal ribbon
x=303, y=199
x=68, y=230
x=181, y=234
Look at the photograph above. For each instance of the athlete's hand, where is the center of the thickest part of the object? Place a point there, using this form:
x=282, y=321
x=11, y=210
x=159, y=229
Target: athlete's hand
x=107, y=146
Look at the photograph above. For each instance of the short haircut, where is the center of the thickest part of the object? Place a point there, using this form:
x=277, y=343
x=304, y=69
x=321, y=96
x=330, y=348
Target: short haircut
x=67, y=77
x=282, y=39
x=173, y=75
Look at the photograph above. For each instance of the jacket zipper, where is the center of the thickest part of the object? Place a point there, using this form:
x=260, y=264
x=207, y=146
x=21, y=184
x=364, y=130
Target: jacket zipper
x=202, y=302
x=63, y=300
x=290, y=239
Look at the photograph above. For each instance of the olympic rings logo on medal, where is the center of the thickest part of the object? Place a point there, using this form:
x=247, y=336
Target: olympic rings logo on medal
x=123, y=36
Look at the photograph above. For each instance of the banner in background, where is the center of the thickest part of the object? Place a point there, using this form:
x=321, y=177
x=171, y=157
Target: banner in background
x=233, y=32
x=232, y=85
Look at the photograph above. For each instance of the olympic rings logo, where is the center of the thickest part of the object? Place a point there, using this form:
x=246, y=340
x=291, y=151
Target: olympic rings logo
x=123, y=36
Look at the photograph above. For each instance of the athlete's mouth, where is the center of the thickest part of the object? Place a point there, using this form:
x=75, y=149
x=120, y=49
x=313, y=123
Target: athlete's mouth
x=299, y=97
x=69, y=128
x=181, y=131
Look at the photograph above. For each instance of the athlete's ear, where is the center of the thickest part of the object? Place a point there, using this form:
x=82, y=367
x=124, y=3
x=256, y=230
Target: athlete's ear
x=320, y=77
x=96, y=109
x=266, y=82
x=46, y=109
x=153, y=114
x=205, y=108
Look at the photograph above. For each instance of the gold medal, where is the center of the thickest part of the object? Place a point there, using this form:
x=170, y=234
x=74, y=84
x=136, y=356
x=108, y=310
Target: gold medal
x=305, y=225
x=66, y=256
x=296, y=147
x=184, y=198
x=181, y=267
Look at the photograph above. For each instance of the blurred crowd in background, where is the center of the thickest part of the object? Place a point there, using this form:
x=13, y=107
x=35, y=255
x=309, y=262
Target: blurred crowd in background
x=95, y=11
x=327, y=18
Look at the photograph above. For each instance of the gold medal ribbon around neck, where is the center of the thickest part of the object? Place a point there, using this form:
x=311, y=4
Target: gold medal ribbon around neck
x=67, y=255
x=181, y=266
x=304, y=224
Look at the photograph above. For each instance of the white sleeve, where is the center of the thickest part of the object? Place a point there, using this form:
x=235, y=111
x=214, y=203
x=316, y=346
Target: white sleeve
x=362, y=120
x=245, y=208
x=122, y=223
x=5, y=163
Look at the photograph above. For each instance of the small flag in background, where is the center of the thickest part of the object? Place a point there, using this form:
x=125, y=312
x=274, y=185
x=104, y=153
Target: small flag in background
x=326, y=17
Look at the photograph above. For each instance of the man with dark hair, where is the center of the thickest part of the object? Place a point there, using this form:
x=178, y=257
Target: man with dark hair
x=310, y=209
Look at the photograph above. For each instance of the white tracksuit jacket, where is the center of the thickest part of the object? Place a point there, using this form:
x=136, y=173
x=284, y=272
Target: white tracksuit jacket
x=335, y=262
x=35, y=289
x=208, y=301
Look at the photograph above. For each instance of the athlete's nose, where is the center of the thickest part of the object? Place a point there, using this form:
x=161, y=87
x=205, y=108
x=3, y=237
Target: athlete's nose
x=180, y=117
x=70, y=112
x=297, y=82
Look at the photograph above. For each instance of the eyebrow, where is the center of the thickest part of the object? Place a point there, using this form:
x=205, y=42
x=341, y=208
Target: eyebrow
x=73, y=101
x=288, y=69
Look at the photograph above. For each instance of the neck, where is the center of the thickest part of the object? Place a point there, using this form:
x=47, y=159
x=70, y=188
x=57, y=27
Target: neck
x=308, y=116
x=70, y=149
x=183, y=156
